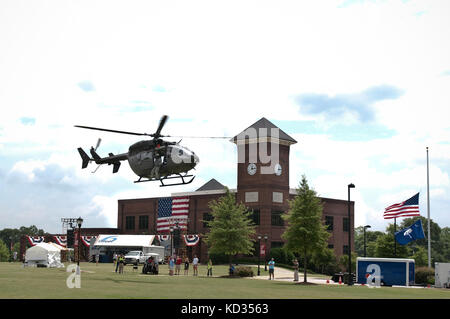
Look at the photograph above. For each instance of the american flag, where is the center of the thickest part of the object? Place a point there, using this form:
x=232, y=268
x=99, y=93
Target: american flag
x=409, y=207
x=170, y=211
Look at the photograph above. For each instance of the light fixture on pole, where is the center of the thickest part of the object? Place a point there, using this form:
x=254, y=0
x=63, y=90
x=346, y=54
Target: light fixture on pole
x=350, y=281
x=79, y=223
x=365, y=227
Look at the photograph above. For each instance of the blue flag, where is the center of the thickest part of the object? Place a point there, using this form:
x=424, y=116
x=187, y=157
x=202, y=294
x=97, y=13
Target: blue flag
x=413, y=232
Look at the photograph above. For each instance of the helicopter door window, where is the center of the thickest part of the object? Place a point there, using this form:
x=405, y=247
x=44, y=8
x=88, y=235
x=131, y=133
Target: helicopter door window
x=180, y=152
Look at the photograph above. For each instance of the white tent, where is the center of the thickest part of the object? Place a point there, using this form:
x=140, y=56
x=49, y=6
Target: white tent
x=44, y=254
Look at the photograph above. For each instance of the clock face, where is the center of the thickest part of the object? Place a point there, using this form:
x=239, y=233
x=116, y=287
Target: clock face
x=251, y=169
x=278, y=169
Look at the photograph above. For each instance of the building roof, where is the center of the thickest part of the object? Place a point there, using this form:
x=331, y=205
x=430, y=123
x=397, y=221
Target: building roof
x=211, y=185
x=265, y=123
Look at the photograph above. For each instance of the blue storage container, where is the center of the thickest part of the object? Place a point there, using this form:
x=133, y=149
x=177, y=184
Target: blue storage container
x=393, y=271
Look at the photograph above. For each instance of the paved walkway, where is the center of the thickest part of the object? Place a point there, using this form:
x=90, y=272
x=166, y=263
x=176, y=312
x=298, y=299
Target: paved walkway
x=282, y=274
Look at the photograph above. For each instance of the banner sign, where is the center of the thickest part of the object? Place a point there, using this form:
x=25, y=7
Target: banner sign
x=87, y=240
x=75, y=241
x=61, y=240
x=262, y=250
x=124, y=240
x=33, y=240
x=163, y=237
x=191, y=240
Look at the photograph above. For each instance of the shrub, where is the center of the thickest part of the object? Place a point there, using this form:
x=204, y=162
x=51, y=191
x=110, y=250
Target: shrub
x=281, y=256
x=424, y=276
x=218, y=258
x=243, y=272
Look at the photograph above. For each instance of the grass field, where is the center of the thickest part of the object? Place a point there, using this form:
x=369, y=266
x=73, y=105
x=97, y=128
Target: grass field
x=102, y=283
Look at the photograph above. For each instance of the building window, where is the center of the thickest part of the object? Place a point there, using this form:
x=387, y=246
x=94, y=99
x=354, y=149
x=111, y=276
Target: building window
x=329, y=222
x=331, y=246
x=129, y=222
x=276, y=244
x=143, y=222
x=254, y=216
x=345, y=250
x=277, y=220
x=345, y=224
x=206, y=217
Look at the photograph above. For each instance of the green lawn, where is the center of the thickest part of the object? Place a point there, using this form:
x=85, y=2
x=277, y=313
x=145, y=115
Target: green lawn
x=101, y=282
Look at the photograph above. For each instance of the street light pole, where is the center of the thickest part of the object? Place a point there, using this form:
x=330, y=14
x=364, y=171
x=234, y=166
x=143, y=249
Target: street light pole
x=259, y=254
x=79, y=223
x=171, y=241
x=367, y=226
x=351, y=185
x=265, y=252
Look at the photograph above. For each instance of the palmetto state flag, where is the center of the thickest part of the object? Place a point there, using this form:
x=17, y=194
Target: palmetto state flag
x=413, y=232
x=408, y=208
x=171, y=212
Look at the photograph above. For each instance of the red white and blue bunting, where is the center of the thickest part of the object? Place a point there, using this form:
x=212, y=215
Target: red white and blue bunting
x=191, y=240
x=61, y=240
x=33, y=240
x=87, y=240
x=163, y=237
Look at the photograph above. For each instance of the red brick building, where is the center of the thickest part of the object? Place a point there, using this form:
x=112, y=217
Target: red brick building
x=262, y=186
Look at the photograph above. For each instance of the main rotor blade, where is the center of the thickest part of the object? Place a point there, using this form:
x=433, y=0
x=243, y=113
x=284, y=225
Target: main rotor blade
x=112, y=131
x=162, y=122
x=183, y=136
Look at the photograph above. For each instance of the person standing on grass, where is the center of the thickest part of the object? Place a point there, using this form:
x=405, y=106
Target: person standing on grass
x=195, y=265
x=121, y=262
x=295, y=269
x=115, y=261
x=171, y=266
x=209, y=267
x=186, y=266
x=271, y=269
x=178, y=264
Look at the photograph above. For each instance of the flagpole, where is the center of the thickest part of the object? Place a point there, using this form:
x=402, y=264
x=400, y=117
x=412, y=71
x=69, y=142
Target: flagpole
x=428, y=211
x=395, y=241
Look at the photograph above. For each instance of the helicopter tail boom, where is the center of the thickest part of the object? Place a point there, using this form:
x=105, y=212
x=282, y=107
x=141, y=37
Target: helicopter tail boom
x=110, y=160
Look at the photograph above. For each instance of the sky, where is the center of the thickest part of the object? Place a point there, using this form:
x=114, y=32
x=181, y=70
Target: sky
x=363, y=86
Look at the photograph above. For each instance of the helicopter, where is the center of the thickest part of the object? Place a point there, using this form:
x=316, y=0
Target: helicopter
x=152, y=160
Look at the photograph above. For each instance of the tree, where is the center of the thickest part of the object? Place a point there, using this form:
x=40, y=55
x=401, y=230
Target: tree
x=325, y=261
x=445, y=239
x=371, y=238
x=420, y=257
x=232, y=231
x=305, y=233
x=343, y=261
x=13, y=235
x=385, y=247
x=4, y=251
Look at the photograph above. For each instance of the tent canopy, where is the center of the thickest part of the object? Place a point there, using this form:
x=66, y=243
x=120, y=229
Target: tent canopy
x=124, y=240
x=44, y=253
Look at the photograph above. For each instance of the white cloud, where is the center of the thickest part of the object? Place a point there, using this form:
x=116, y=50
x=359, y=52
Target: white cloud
x=222, y=67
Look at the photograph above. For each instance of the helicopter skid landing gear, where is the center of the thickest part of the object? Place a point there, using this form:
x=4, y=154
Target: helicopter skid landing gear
x=183, y=181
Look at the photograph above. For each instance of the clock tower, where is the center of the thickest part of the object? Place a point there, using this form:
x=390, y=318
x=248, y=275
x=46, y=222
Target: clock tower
x=263, y=175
